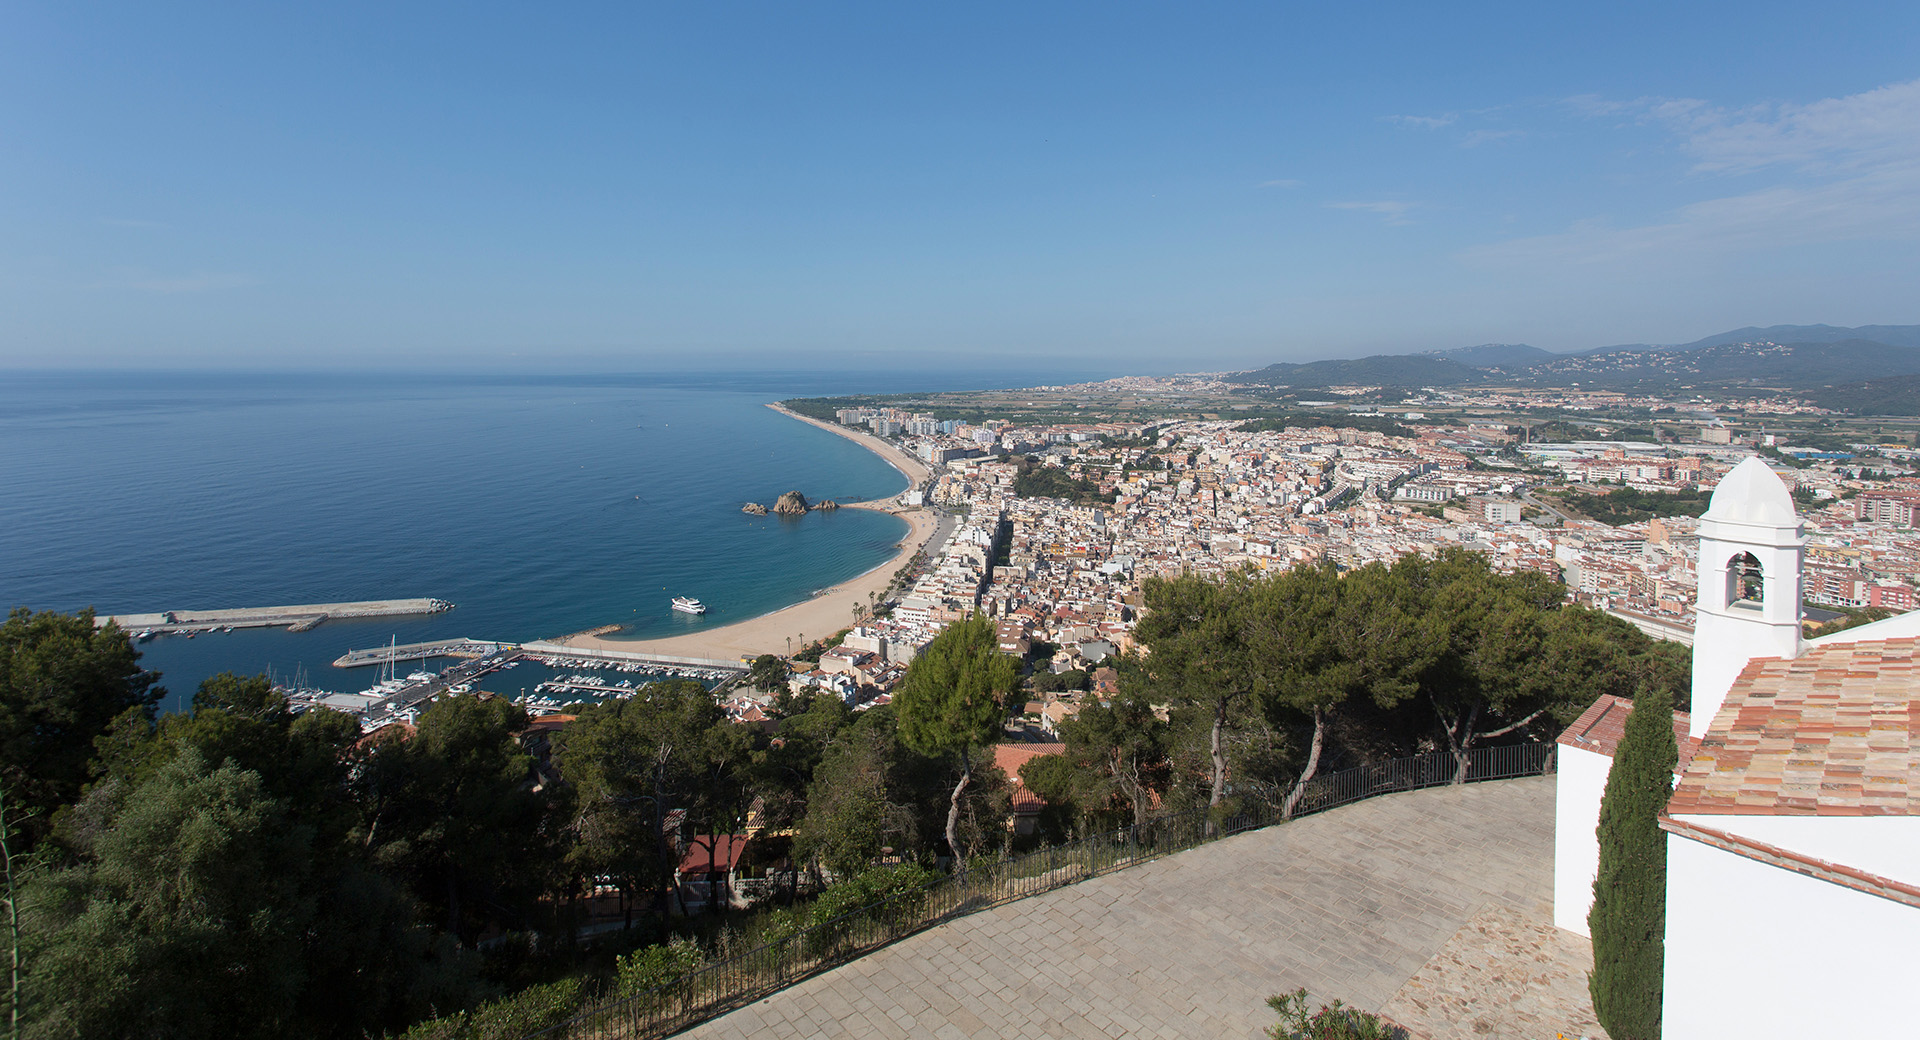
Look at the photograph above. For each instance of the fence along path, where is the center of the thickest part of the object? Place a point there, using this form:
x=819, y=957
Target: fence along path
x=1356, y=902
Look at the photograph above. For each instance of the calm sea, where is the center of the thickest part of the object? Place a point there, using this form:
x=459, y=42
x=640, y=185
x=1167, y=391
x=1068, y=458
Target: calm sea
x=539, y=506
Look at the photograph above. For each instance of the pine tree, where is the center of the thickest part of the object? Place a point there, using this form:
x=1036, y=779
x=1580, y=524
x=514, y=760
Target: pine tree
x=1629, y=916
x=953, y=700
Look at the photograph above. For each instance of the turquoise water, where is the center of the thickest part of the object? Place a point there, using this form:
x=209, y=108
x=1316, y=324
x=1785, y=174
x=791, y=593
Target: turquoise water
x=539, y=507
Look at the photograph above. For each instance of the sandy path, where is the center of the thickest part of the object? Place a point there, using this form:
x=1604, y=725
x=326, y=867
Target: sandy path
x=824, y=614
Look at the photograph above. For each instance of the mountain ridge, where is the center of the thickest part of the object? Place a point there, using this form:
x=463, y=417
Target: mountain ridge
x=1828, y=359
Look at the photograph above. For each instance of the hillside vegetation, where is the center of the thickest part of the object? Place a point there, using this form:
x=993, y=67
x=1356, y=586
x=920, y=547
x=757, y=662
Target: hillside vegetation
x=1631, y=505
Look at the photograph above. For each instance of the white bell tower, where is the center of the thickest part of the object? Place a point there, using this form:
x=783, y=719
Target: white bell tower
x=1748, y=606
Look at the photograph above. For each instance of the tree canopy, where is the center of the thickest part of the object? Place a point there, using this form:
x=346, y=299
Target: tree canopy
x=1379, y=660
x=63, y=684
x=953, y=700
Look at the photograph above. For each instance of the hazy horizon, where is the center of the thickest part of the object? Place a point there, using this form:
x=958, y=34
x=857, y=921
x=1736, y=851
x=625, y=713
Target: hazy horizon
x=1133, y=189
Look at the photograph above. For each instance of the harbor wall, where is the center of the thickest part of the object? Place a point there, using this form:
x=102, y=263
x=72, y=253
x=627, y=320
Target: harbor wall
x=258, y=617
x=544, y=647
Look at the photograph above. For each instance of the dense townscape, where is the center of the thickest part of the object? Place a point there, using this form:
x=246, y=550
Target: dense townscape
x=1065, y=520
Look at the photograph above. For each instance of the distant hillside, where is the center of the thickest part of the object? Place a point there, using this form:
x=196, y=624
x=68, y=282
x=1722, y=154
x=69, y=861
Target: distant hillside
x=1892, y=395
x=1788, y=365
x=1792, y=357
x=1379, y=370
x=1893, y=335
x=1506, y=355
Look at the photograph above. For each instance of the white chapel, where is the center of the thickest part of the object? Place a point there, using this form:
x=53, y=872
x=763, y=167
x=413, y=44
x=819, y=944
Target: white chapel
x=1793, y=834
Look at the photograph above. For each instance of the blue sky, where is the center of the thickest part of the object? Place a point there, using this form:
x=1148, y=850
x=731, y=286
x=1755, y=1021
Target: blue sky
x=1142, y=187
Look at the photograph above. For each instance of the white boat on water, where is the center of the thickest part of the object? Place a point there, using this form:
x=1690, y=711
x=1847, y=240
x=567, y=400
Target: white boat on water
x=689, y=605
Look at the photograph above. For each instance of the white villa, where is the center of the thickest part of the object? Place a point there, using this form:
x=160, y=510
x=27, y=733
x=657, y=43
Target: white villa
x=1793, y=851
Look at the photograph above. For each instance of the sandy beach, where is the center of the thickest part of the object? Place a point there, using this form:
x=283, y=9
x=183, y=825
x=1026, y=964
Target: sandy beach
x=824, y=614
x=911, y=465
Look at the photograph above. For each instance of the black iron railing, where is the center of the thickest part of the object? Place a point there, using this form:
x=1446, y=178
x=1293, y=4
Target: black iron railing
x=730, y=983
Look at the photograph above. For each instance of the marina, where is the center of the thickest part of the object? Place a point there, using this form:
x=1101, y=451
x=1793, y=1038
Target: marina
x=573, y=677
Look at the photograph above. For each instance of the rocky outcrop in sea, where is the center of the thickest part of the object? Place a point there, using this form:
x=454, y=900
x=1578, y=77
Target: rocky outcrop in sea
x=754, y=508
x=793, y=503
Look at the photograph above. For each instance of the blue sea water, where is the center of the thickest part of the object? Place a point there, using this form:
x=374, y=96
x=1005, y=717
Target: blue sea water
x=539, y=506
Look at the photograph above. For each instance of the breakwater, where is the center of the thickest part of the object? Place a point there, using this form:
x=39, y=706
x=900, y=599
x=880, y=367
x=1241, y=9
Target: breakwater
x=595, y=654
x=296, y=618
x=392, y=654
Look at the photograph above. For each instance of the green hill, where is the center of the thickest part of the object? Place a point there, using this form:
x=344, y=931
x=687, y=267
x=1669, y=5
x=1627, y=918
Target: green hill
x=1379, y=370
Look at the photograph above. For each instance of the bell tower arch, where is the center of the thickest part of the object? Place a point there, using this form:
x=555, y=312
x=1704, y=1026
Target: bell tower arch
x=1748, y=605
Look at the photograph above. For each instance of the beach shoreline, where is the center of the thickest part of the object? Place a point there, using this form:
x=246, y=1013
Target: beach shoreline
x=827, y=611
x=910, y=467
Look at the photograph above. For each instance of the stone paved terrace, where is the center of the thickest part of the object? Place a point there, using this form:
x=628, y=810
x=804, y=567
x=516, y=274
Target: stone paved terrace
x=1430, y=905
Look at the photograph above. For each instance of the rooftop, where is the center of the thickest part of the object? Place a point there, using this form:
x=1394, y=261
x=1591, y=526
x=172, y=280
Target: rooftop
x=1831, y=733
x=1600, y=727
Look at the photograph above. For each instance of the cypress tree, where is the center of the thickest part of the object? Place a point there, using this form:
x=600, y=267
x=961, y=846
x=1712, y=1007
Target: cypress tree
x=1629, y=916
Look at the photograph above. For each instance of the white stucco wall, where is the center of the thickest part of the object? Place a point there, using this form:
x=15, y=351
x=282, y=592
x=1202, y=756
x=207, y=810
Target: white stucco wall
x=1885, y=845
x=1755, y=951
x=1722, y=646
x=1579, y=782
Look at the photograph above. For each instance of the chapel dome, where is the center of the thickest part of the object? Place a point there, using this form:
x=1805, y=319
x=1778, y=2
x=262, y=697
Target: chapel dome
x=1752, y=494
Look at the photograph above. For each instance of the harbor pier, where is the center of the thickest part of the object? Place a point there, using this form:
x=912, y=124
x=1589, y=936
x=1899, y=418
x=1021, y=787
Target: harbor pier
x=297, y=618
x=393, y=654
x=592, y=654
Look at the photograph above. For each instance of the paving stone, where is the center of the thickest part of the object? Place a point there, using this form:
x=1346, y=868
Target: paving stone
x=1377, y=903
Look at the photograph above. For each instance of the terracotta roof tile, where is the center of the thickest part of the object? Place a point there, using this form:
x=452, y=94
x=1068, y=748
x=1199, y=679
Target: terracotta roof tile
x=1010, y=757
x=1601, y=726
x=1834, y=732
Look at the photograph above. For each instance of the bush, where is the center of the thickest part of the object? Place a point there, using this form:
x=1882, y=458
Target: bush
x=900, y=891
x=1333, y=1021
x=644, y=971
x=508, y=1018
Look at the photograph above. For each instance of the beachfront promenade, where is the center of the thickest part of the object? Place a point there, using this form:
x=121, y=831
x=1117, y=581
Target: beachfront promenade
x=1431, y=907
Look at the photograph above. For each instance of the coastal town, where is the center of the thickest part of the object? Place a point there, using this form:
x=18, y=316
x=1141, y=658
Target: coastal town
x=1121, y=502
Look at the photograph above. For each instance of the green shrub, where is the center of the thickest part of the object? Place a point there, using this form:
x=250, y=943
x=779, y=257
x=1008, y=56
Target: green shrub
x=777, y=925
x=900, y=888
x=508, y=1018
x=644, y=971
x=1333, y=1021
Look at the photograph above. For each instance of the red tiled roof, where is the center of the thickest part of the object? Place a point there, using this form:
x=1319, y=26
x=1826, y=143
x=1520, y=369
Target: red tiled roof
x=1600, y=727
x=1010, y=757
x=727, y=849
x=390, y=731
x=1833, y=732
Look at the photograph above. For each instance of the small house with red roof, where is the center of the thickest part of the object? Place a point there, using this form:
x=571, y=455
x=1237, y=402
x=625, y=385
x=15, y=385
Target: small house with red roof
x=1026, y=805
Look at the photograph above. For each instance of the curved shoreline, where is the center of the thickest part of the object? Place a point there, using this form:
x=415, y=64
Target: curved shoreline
x=912, y=468
x=824, y=613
